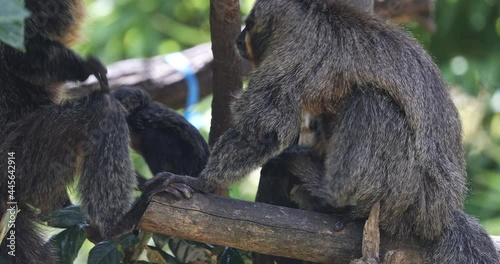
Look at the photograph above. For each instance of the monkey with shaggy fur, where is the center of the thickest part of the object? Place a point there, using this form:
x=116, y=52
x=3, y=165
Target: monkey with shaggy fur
x=393, y=134
x=54, y=137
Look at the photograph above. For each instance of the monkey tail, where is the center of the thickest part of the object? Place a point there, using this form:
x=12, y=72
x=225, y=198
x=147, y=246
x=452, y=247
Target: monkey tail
x=107, y=178
x=464, y=242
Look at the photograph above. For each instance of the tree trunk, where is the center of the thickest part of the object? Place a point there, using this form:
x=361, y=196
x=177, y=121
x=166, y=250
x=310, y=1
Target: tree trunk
x=225, y=27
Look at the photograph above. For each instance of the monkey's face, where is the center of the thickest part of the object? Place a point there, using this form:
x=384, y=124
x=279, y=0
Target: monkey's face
x=254, y=39
x=241, y=45
x=131, y=98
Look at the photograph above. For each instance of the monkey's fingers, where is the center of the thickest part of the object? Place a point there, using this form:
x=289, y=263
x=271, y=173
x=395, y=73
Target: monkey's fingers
x=178, y=183
x=103, y=82
x=179, y=190
x=99, y=71
x=172, y=183
x=184, y=189
x=161, y=188
x=173, y=191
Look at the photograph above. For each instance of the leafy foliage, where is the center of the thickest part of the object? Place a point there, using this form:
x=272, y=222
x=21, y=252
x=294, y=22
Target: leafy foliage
x=69, y=241
x=12, y=15
x=145, y=28
x=106, y=252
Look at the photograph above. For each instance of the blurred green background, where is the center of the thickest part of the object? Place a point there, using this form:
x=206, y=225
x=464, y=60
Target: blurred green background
x=466, y=46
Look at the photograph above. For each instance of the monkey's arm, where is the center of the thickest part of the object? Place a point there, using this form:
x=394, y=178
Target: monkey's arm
x=266, y=120
x=47, y=62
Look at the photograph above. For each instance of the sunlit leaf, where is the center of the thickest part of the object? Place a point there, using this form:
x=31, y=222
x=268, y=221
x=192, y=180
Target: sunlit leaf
x=12, y=15
x=105, y=252
x=68, y=243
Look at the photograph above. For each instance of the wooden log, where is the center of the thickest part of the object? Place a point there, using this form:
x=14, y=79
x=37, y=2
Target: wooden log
x=163, y=82
x=266, y=229
x=263, y=228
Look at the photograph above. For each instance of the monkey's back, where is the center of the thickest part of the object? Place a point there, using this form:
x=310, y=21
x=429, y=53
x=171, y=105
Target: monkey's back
x=397, y=128
x=372, y=156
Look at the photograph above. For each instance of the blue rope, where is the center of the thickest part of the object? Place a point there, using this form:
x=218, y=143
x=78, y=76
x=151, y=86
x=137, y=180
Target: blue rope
x=183, y=66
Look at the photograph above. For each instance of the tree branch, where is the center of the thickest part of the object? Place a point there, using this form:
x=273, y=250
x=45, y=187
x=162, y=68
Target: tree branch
x=163, y=82
x=266, y=229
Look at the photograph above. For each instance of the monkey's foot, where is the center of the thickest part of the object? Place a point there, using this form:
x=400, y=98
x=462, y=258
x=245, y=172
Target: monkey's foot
x=177, y=185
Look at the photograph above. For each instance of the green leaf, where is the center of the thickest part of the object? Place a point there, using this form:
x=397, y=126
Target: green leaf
x=230, y=256
x=12, y=10
x=68, y=243
x=105, y=252
x=129, y=241
x=65, y=217
x=12, y=15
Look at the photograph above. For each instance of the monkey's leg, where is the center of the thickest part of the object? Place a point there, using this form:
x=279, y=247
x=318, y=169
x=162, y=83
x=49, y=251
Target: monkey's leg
x=132, y=217
x=92, y=133
x=47, y=62
x=266, y=121
x=308, y=169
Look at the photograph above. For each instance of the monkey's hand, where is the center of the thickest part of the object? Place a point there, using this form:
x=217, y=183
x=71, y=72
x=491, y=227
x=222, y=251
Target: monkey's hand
x=95, y=67
x=178, y=185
